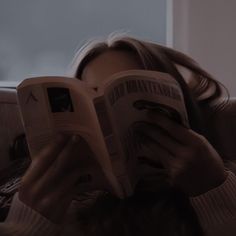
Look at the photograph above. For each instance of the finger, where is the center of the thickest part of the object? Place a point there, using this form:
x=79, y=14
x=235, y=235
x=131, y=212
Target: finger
x=44, y=159
x=180, y=133
x=65, y=164
x=60, y=193
x=77, y=153
x=55, y=204
x=159, y=136
x=173, y=165
x=155, y=153
x=75, y=156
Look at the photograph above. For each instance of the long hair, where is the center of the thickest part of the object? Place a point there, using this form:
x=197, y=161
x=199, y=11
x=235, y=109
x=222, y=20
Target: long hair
x=199, y=88
x=163, y=212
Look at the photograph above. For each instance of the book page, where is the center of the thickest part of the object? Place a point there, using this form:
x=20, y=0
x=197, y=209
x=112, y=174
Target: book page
x=52, y=105
x=128, y=97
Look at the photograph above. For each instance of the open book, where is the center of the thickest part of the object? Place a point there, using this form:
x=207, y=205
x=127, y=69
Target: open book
x=102, y=116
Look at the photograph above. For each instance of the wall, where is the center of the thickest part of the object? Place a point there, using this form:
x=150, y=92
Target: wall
x=205, y=29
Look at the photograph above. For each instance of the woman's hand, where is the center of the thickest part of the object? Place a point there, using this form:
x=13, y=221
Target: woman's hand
x=48, y=185
x=191, y=162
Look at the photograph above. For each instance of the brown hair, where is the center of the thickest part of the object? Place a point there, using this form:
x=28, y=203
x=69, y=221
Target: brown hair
x=199, y=89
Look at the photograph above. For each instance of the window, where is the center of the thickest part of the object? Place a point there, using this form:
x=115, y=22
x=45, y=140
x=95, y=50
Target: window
x=41, y=37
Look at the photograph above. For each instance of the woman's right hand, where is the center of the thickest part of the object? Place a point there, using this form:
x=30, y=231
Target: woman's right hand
x=48, y=185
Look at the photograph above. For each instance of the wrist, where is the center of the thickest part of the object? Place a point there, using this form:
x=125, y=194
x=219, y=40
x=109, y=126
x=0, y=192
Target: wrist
x=212, y=183
x=218, y=205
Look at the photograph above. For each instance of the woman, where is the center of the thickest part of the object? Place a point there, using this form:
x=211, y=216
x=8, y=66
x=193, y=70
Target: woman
x=197, y=197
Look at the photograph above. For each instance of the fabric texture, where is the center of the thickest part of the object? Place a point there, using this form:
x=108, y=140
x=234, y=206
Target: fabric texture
x=22, y=220
x=216, y=210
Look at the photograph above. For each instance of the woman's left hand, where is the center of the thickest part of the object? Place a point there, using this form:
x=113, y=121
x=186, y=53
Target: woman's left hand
x=191, y=162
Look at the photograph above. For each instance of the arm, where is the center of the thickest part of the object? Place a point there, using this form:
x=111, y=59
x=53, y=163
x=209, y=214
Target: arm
x=216, y=209
x=195, y=167
x=46, y=190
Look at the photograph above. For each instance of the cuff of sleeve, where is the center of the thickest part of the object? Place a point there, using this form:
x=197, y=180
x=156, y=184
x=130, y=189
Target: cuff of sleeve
x=28, y=221
x=218, y=205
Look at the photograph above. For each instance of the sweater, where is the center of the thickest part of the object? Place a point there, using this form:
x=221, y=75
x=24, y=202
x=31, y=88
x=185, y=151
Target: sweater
x=216, y=210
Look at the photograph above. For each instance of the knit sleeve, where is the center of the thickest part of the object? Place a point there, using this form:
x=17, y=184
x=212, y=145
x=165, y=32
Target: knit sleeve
x=216, y=209
x=24, y=221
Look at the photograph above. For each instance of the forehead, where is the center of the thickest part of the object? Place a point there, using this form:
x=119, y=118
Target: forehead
x=109, y=63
